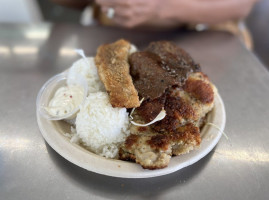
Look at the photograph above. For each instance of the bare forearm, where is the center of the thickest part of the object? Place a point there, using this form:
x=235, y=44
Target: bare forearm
x=212, y=11
x=133, y=13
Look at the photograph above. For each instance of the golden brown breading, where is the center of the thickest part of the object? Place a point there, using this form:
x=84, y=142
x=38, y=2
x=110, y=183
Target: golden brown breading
x=182, y=105
x=199, y=87
x=178, y=133
x=153, y=150
x=113, y=68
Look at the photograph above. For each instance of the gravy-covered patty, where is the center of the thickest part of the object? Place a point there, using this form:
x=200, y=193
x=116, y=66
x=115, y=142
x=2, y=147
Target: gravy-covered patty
x=160, y=66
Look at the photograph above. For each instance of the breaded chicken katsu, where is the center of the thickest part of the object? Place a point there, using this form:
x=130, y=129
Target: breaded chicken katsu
x=113, y=68
x=167, y=78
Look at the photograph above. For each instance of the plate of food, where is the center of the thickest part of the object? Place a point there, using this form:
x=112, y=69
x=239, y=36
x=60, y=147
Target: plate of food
x=132, y=114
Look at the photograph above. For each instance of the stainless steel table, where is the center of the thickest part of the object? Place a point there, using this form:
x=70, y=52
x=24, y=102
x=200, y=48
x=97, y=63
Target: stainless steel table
x=237, y=168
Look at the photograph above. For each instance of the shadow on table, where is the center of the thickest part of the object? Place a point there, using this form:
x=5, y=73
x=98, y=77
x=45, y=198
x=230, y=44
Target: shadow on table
x=111, y=187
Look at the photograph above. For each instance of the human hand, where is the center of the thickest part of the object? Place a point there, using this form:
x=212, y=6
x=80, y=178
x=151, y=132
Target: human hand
x=130, y=13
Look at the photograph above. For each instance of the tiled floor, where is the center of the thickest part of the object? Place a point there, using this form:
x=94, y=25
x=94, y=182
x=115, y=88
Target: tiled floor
x=258, y=23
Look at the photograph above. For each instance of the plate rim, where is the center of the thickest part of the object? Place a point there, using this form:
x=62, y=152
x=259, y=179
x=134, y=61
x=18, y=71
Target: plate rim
x=138, y=171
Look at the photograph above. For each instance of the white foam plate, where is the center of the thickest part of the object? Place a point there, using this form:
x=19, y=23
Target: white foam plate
x=53, y=132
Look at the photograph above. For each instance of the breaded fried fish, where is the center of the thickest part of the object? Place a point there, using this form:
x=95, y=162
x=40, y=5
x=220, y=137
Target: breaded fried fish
x=113, y=68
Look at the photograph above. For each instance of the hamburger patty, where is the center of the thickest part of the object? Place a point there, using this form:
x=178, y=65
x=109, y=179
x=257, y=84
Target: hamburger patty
x=161, y=66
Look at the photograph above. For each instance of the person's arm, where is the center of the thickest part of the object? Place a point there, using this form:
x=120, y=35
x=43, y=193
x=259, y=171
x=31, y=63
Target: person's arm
x=129, y=13
x=77, y=4
x=213, y=11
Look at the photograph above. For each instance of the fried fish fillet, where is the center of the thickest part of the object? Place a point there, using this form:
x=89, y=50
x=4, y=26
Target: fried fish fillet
x=113, y=68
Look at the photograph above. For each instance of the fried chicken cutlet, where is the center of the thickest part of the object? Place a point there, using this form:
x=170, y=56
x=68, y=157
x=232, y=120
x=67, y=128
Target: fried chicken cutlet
x=186, y=110
x=186, y=94
x=113, y=68
x=153, y=150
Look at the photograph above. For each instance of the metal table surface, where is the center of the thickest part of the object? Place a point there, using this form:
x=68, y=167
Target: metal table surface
x=238, y=168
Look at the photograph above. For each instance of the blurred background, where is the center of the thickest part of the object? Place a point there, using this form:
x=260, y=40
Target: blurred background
x=37, y=11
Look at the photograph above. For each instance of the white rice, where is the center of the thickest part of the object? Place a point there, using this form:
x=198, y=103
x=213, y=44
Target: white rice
x=100, y=127
x=87, y=69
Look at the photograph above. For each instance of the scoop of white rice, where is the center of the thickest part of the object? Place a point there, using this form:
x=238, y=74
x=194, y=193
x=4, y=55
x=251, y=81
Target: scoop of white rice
x=87, y=69
x=101, y=127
